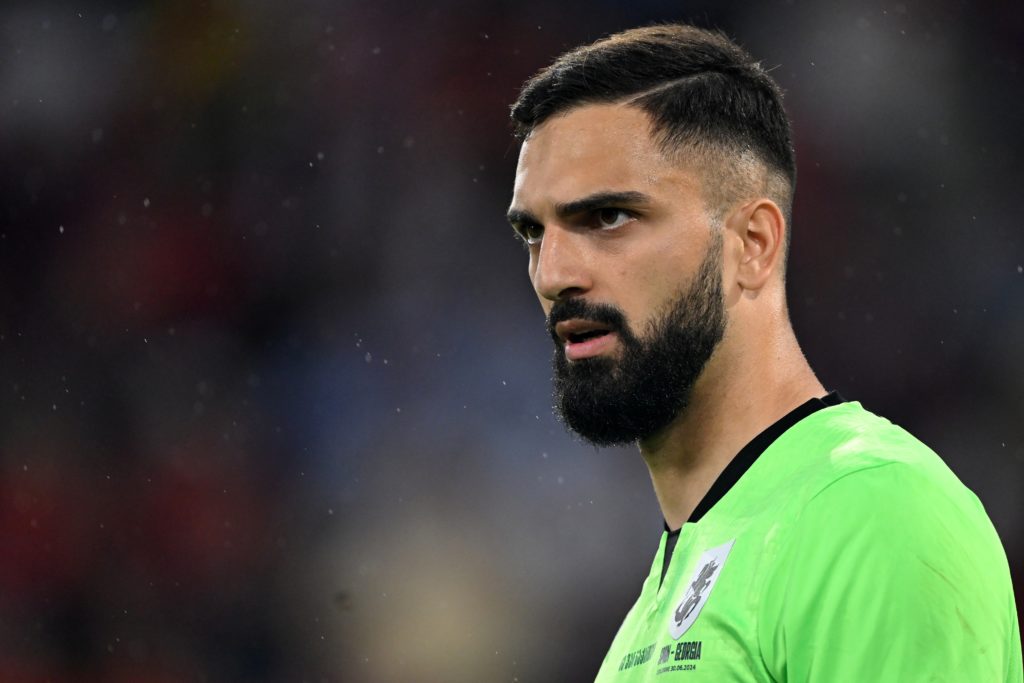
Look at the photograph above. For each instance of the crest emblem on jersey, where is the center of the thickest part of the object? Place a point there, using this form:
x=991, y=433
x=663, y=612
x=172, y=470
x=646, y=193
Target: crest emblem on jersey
x=705, y=575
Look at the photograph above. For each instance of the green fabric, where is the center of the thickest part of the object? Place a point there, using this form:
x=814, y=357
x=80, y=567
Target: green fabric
x=856, y=555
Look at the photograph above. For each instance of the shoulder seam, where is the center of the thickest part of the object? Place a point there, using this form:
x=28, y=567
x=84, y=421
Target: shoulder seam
x=845, y=475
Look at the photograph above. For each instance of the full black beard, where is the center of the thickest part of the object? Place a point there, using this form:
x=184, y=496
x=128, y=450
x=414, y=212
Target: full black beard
x=615, y=401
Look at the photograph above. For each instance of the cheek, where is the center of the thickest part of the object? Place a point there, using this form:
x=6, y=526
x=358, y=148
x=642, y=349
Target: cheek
x=545, y=304
x=637, y=296
x=531, y=269
x=651, y=287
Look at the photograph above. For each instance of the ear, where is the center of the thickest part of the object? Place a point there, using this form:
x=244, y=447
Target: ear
x=761, y=229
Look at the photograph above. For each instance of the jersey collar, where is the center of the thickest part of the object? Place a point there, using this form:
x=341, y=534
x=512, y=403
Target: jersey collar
x=749, y=453
x=743, y=461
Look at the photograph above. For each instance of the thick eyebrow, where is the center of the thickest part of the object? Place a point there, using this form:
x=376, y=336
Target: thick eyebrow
x=598, y=200
x=517, y=217
x=601, y=200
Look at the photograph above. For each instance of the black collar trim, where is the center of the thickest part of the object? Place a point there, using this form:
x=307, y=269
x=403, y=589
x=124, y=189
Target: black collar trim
x=749, y=453
x=742, y=462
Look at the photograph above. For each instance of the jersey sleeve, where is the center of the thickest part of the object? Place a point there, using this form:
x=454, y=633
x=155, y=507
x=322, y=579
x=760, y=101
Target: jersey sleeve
x=888, y=576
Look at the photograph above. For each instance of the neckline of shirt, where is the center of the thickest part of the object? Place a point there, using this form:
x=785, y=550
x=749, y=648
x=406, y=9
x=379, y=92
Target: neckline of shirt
x=743, y=462
x=749, y=454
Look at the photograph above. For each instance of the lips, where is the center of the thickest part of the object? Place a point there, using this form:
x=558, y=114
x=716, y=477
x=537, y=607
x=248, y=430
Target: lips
x=584, y=338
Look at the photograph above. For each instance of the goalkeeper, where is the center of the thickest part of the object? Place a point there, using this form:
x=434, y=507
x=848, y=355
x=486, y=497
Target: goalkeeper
x=806, y=539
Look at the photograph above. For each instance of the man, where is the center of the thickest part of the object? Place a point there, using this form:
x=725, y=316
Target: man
x=806, y=539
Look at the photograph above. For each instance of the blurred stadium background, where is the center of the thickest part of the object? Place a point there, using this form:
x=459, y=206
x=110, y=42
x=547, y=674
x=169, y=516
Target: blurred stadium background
x=274, y=398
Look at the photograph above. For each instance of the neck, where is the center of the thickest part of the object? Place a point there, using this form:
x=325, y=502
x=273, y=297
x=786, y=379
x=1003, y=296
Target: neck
x=738, y=396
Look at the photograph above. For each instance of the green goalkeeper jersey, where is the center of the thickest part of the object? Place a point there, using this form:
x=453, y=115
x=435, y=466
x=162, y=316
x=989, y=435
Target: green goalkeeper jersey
x=835, y=548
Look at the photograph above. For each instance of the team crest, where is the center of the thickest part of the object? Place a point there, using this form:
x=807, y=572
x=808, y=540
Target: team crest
x=705, y=575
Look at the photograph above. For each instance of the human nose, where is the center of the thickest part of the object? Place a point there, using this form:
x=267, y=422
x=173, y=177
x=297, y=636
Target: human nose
x=560, y=267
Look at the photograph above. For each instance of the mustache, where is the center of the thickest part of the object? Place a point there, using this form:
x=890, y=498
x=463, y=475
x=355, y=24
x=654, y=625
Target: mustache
x=568, y=309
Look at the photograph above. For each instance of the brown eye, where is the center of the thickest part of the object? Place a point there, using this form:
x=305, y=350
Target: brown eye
x=608, y=219
x=532, y=233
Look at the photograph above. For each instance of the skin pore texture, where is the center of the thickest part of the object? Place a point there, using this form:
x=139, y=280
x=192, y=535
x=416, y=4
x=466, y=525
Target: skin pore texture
x=638, y=261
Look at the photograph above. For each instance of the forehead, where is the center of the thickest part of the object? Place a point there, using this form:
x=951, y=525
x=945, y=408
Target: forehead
x=595, y=147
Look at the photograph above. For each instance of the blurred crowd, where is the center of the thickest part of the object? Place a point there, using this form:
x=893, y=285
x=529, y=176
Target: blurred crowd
x=274, y=391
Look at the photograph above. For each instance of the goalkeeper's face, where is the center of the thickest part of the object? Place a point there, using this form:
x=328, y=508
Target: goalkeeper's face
x=627, y=266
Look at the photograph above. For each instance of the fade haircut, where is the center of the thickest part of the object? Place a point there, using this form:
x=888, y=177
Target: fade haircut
x=709, y=103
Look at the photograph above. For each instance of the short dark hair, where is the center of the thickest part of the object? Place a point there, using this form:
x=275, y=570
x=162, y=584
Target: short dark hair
x=701, y=91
